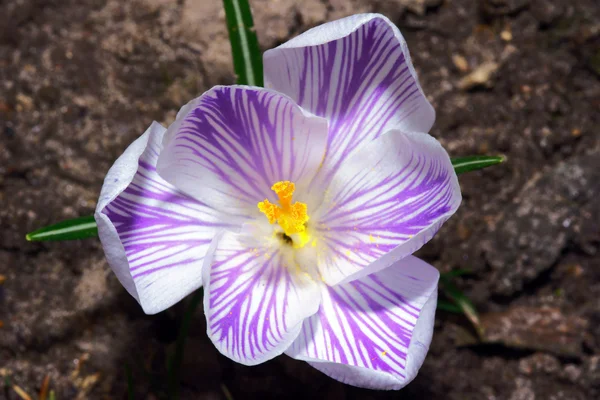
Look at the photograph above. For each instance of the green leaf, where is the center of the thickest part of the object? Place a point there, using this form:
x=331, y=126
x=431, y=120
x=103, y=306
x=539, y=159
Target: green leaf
x=462, y=301
x=473, y=163
x=78, y=228
x=449, y=307
x=247, y=58
x=226, y=392
x=85, y=227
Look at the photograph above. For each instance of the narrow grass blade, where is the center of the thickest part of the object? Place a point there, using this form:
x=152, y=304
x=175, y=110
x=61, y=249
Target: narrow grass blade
x=226, y=392
x=247, y=58
x=85, y=227
x=177, y=359
x=71, y=229
x=21, y=393
x=473, y=163
x=7, y=382
x=44, y=389
x=129, y=376
x=449, y=307
x=462, y=301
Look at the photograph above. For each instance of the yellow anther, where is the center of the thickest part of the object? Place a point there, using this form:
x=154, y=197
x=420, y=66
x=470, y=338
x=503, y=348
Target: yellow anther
x=272, y=211
x=291, y=218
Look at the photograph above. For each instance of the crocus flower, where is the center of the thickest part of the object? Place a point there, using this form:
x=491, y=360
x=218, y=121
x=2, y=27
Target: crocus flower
x=296, y=206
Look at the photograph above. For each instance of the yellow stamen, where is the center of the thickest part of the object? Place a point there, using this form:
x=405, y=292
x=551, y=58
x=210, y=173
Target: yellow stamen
x=301, y=239
x=291, y=218
x=270, y=210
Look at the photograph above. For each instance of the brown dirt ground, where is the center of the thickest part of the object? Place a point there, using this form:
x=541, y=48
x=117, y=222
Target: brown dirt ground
x=81, y=79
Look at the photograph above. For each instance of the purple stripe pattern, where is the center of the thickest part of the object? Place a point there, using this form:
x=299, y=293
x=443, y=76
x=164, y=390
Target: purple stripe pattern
x=236, y=142
x=164, y=233
x=384, y=204
x=255, y=300
x=363, y=82
x=342, y=122
x=364, y=329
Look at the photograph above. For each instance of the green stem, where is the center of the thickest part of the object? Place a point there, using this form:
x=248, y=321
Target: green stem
x=177, y=359
x=130, y=390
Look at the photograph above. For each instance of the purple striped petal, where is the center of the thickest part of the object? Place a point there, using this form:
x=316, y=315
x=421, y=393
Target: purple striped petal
x=357, y=73
x=233, y=143
x=155, y=238
x=383, y=204
x=373, y=332
x=255, y=297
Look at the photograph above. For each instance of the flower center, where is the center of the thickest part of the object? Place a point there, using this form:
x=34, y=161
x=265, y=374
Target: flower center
x=290, y=217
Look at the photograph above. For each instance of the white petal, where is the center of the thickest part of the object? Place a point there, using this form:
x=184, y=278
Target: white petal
x=383, y=204
x=255, y=298
x=357, y=73
x=154, y=237
x=234, y=143
x=373, y=332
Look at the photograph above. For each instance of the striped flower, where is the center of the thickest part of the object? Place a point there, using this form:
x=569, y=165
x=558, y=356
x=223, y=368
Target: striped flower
x=296, y=206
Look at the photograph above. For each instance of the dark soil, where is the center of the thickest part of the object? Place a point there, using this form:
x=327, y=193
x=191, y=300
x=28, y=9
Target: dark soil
x=81, y=79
